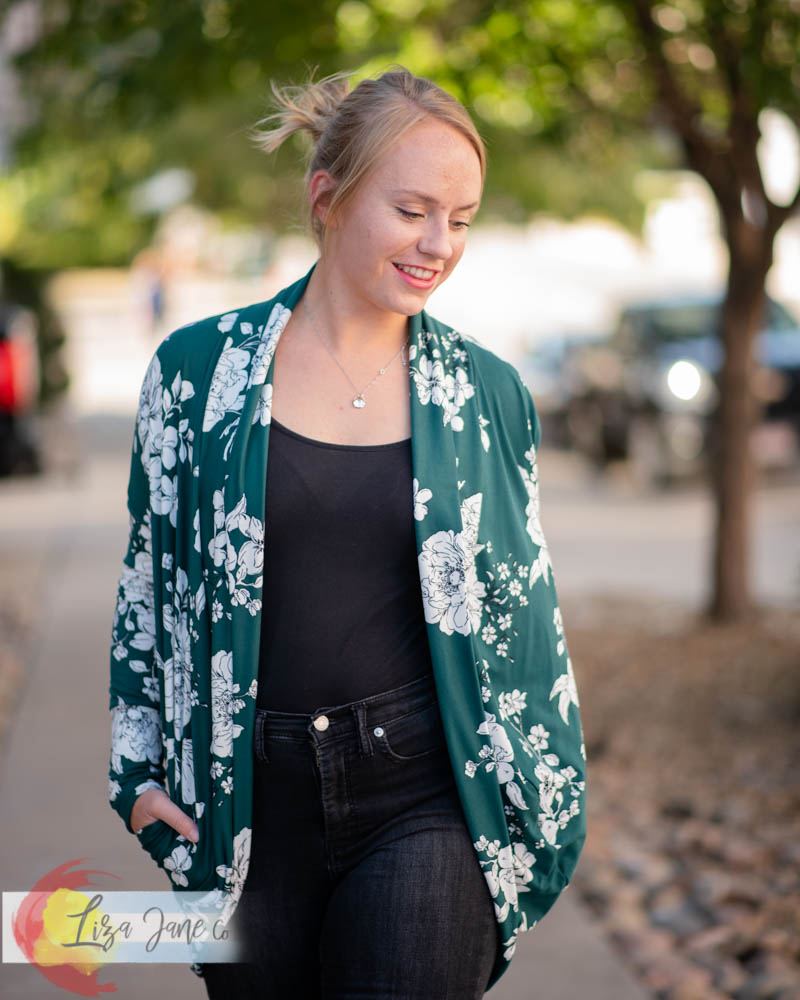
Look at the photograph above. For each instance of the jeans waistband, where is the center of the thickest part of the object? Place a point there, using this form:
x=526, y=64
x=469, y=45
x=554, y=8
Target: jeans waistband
x=376, y=708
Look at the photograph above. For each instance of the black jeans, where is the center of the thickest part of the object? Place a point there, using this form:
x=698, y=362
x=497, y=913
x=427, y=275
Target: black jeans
x=363, y=881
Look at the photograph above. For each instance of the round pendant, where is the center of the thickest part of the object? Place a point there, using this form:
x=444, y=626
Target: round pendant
x=359, y=401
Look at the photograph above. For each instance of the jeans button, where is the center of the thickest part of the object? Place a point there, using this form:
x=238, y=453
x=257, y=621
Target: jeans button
x=378, y=730
x=321, y=722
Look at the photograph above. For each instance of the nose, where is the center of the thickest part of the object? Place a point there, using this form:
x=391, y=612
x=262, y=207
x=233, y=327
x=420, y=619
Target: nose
x=436, y=240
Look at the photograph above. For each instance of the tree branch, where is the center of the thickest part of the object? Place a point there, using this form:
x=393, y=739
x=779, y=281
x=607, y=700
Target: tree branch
x=702, y=153
x=682, y=110
x=743, y=130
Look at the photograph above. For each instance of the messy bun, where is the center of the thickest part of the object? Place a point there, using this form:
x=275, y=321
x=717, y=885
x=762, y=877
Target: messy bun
x=306, y=108
x=350, y=129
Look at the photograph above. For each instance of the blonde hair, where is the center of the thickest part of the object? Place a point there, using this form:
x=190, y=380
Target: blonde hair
x=350, y=129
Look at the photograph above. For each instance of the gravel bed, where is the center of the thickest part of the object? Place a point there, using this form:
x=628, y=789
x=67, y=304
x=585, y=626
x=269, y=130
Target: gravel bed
x=692, y=860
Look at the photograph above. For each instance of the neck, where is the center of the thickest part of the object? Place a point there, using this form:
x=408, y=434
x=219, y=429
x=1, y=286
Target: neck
x=350, y=323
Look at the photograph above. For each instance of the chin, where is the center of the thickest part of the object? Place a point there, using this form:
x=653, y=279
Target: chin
x=412, y=310
x=410, y=303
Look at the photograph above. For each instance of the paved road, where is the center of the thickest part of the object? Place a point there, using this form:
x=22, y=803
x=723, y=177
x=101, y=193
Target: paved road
x=607, y=538
x=53, y=784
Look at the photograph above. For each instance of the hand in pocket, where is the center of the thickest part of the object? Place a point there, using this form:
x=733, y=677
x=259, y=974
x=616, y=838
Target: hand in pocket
x=154, y=804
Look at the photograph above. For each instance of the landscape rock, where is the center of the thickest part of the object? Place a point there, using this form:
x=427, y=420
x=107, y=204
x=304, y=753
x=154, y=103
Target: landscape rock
x=694, y=868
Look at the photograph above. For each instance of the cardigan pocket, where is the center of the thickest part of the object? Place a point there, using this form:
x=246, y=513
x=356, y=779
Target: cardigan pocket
x=159, y=839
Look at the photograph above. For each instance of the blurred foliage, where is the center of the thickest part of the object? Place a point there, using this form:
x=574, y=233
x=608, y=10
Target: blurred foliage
x=116, y=92
x=566, y=93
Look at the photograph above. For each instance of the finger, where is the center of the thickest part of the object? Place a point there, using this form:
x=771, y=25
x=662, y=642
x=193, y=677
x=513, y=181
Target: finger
x=140, y=815
x=166, y=809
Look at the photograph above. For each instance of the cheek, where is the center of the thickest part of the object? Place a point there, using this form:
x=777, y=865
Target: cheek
x=382, y=242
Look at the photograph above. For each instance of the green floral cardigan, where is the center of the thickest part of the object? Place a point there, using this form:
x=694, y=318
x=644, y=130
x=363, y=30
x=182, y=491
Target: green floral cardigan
x=186, y=630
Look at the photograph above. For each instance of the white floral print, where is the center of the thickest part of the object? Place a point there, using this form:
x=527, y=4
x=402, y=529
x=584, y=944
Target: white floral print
x=451, y=591
x=188, y=791
x=226, y=393
x=566, y=690
x=278, y=319
x=507, y=870
x=263, y=411
x=243, y=565
x=178, y=863
x=225, y=703
x=450, y=391
x=135, y=734
x=162, y=446
x=541, y=565
x=235, y=874
x=421, y=498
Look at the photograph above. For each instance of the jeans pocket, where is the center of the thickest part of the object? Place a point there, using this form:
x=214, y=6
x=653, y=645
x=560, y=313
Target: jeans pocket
x=412, y=736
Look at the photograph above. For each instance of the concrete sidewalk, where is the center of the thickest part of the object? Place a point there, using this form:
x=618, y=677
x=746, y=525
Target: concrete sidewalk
x=53, y=784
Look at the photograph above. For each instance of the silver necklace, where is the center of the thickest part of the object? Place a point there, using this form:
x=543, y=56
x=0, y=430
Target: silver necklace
x=358, y=400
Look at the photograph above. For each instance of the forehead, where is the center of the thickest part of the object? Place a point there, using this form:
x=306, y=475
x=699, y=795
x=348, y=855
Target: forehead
x=432, y=158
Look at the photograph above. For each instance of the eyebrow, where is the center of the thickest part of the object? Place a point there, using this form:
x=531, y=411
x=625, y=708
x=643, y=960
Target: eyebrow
x=432, y=201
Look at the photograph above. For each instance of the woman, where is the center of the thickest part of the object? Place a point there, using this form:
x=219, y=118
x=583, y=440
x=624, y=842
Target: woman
x=342, y=700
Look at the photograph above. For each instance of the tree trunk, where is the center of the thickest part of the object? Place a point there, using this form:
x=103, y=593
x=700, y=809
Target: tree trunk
x=732, y=461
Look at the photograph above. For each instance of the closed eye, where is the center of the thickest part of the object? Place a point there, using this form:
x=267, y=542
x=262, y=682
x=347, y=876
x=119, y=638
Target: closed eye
x=418, y=215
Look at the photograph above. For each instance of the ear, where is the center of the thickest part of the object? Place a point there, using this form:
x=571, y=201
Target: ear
x=320, y=190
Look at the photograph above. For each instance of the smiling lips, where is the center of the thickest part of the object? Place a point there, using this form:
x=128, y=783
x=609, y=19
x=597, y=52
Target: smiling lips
x=420, y=277
x=417, y=272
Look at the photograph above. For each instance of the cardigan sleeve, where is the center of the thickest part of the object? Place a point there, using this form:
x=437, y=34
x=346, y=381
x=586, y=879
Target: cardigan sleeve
x=134, y=699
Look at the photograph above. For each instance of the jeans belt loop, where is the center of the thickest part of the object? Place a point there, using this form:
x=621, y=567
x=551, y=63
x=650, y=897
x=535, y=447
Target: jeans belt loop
x=360, y=715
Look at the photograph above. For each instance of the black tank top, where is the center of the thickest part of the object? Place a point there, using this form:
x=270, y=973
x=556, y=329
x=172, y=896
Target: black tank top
x=342, y=606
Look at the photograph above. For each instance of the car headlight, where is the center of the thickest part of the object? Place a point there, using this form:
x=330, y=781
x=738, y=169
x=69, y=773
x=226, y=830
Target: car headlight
x=685, y=380
x=685, y=386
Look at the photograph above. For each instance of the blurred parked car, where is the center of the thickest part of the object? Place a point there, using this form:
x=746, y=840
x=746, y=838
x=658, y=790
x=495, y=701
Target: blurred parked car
x=647, y=392
x=548, y=371
x=19, y=389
